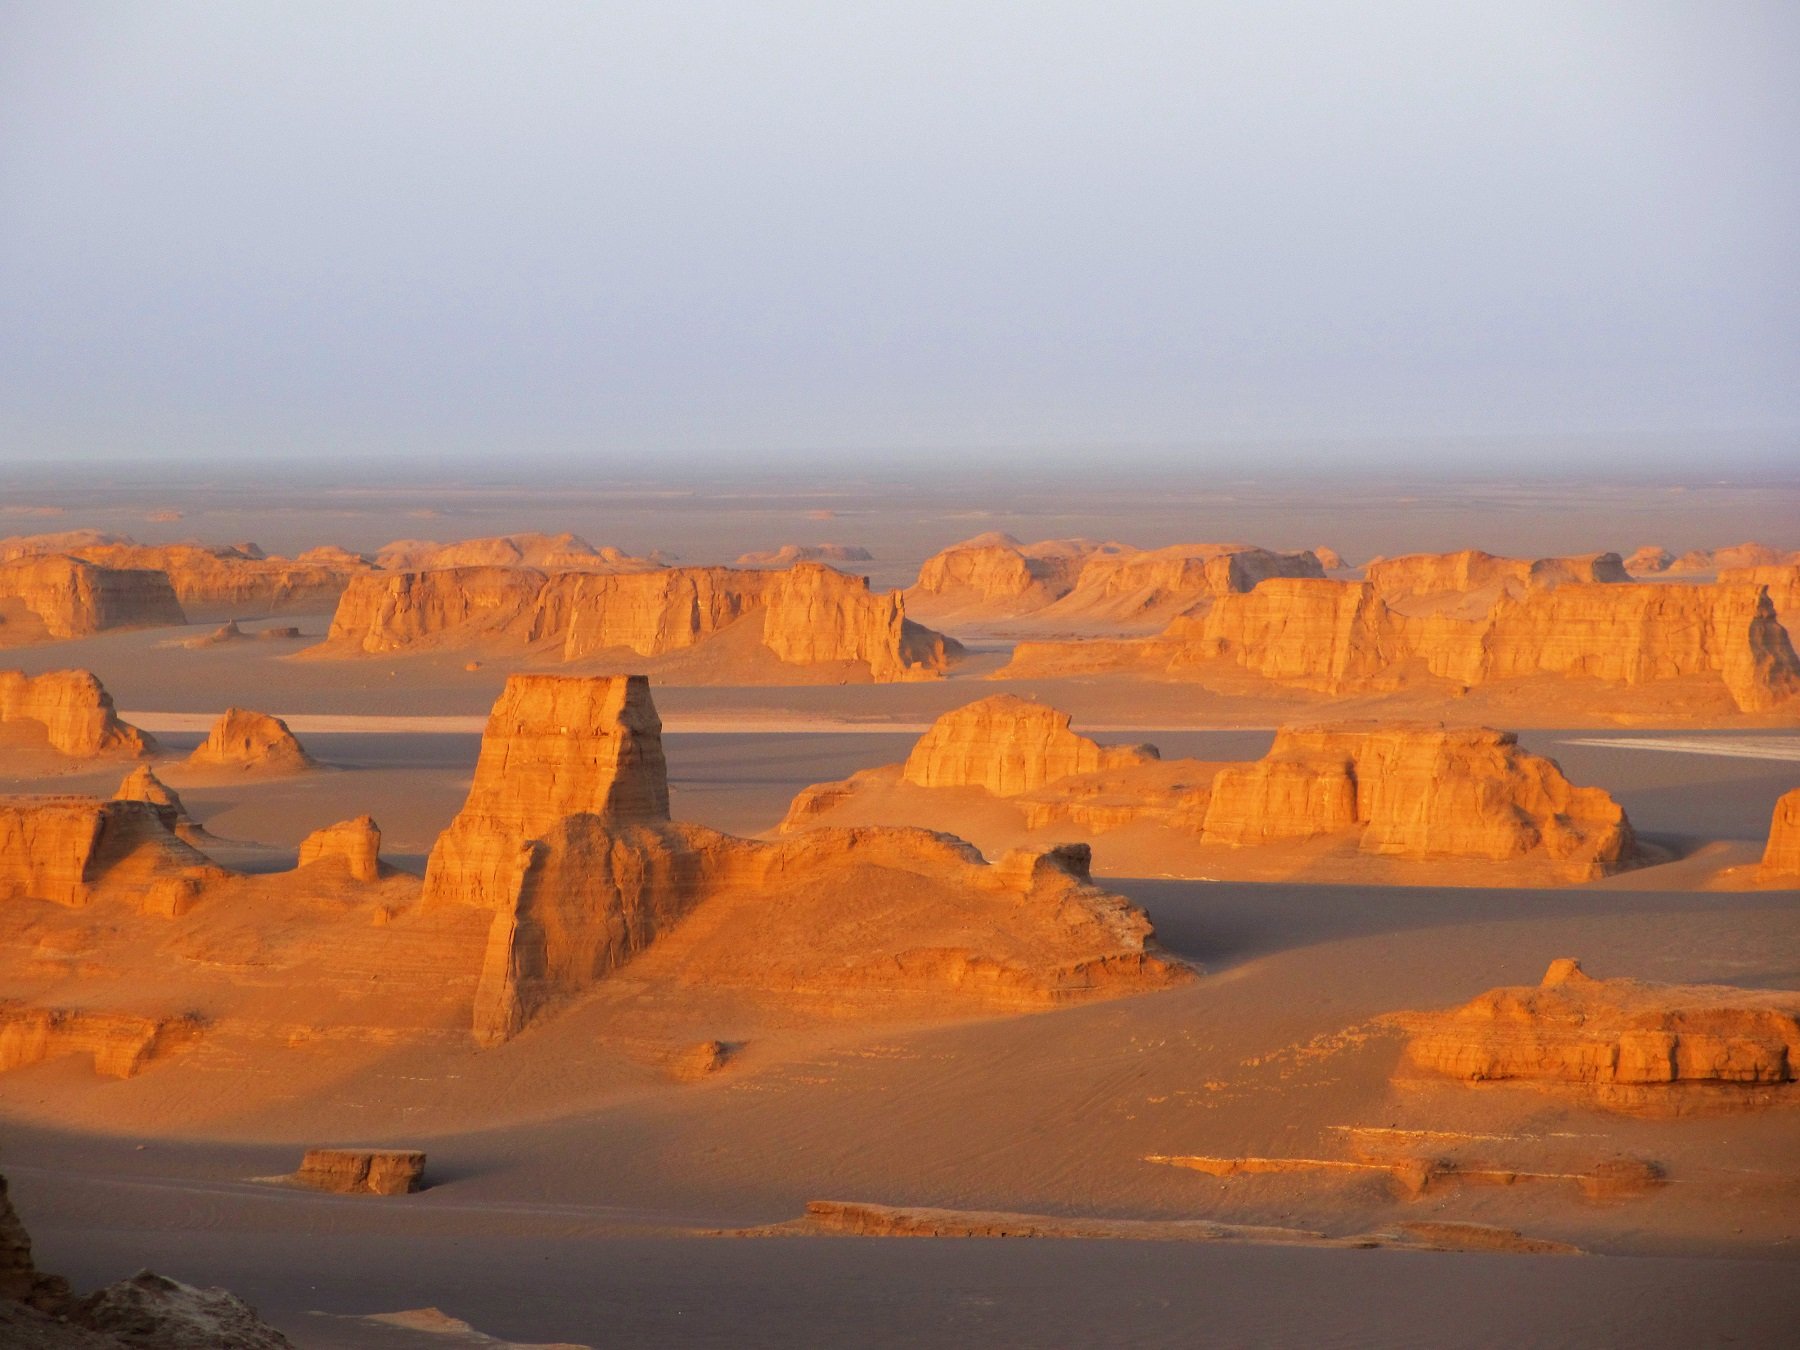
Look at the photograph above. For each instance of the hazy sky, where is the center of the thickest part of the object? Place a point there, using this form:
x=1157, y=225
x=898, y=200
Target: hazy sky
x=673, y=229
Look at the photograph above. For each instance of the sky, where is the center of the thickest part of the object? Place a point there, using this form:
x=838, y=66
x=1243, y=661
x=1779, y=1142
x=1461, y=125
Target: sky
x=777, y=233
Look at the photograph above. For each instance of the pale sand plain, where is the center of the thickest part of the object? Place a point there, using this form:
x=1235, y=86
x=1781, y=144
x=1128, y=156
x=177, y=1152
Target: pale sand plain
x=570, y=1176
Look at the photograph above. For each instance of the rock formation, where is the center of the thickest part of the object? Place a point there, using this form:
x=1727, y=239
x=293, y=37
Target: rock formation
x=369, y=1171
x=565, y=839
x=996, y=570
x=242, y=739
x=1473, y=570
x=1621, y=1042
x=236, y=577
x=1703, y=560
x=357, y=843
x=142, y=785
x=56, y=596
x=1781, y=580
x=1010, y=746
x=1781, y=856
x=120, y=1045
x=1649, y=561
x=789, y=554
x=1419, y=791
x=74, y=710
x=810, y=615
x=61, y=849
x=20, y=1279
x=553, y=552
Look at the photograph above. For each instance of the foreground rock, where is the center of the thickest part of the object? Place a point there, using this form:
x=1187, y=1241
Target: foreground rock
x=1009, y=746
x=565, y=838
x=362, y=1171
x=74, y=712
x=1781, y=856
x=242, y=739
x=1620, y=1043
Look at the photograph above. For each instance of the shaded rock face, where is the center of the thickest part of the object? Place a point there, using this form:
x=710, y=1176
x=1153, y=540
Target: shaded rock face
x=62, y=849
x=356, y=842
x=1009, y=745
x=811, y=614
x=70, y=598
x=1781, y=580
x=1620, y=1042
x=20, y=1279
x=370, y=1171
x=142, y=785
x=565, y=838
x=74, y=710
x=152, y=1312
x=242, y=739
x=1419, y=791
x=1781, y=856
x=121, y=1045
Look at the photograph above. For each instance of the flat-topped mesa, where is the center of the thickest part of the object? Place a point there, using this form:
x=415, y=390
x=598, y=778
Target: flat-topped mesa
x=66, y=849
x=1781, y=856
x=355, y=843
x=1473, y=570
x=1132, y=590
x=1703, y=560
x=58, y=596
x=555, y=746
x=235, y=576
x=996, y=569
x=1621, y=1043
x=364, y=1171
x=1781, y=580
x=1420, y=791
x=810, y=614
x=75, y=712
x=1009, y=745
x=242, y=739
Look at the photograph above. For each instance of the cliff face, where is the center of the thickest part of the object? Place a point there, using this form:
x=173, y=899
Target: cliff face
x=1781, y=856
x=1419, y=792
x=242, y=739
x=1009, y=746
x=74, y=710
x=67, y=597
x=565, y=839
x=1620, y=1042
x=811, y=614
x=1781, y=580
x=234, y=576
x=1473, y=570
x=1127, y=591
x=996, y=569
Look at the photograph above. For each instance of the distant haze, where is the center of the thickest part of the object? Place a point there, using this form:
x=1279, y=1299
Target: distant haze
x=645, y=233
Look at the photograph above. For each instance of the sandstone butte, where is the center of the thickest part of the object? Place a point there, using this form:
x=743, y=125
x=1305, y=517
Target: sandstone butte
x=56, y=596
x=1621, y=1043
x=242, y=739
x=39, y=1311
x=1077, y=582
x=1344, y=637
x=810, y=615
x=1406, y=790
x=565, y=839
x=74, y=711
x=355, y=843
x=1009, y=746
x=1781, y=856
x=60, y=848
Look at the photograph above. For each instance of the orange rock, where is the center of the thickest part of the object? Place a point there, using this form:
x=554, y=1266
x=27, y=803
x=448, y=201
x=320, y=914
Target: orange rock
x=370, y=1171
x=997, y=570
x=65, y=597
x=121, y=1045
x=242, y=739
x=1473, y=570
x=813, y=615
x=789, y=554
x=239, y=576
x=1781, y=857
x=1622, y=1042
x=553, y=551
x=142, y=785
x=1010, y=746
x=74, y=710
x=356, y=842
x=64, y=849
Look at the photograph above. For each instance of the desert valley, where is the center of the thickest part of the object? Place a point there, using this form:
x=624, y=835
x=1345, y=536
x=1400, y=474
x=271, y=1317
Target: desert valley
x=375, y=915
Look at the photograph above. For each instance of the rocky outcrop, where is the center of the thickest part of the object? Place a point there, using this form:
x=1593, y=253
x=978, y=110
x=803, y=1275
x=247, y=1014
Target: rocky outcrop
x=1781, y=580
x=355, y=843
x=362, y=1171
x=1649, y=561
x=142, y=785
x=555, y=552
x=74, y=710
x=152, y=1312
x=235, y=577
x=995, y=570
x=811, y=615
x=1417, y=791
x=62, y=849
x=1781, y=856
x=1473, y=570
x=121, y=1045
x=565, y=839
x=789, y=554
x=1620, y=1042
x=242, y=739
x=1138, y=590
x=1009, y=746
x=57, y=596
x=1703, y=560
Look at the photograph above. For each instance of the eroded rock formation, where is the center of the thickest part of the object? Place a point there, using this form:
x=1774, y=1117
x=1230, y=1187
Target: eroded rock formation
x=236, y=577
x=242, y=739
x=121, y=1045
x=57, y=596
x=997, y=570
x=1473, y=570
x=356, y=843
x=1621, y=1042
x=789, y=554
x=142, y=785
x=1781, y=856
x=1010, y=746
x=368, y=1171
x=558, y=552
x=74, y=710
x=61, y=849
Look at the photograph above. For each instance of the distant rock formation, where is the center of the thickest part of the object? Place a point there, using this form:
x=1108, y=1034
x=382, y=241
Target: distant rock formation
x=1330, y=559
x=1340, y=637
x=142, y=785
x=996, y=570
x=361, y=1171
x=357, y=843
x=1649, y=561
x=57, y=596
x=565, y=838
x=237, y=577
x=1010, y=746
x=1473, y=570
x=120, y=1045
x=1622, y=1043
x=1419, y=791
x=789, y=554
x=552, y=552
x=810, y=615
x=242, y=739
x=75, y=712
x=62, y=849
x=1701, y=560
x=1781, y=856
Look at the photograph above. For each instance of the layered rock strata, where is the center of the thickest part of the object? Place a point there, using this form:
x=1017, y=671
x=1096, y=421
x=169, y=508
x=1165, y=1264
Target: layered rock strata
x=61, y=849
x=367, y=1171
x=243, y=739
x=75, y=712
x=67, y=597
x=1010, y=746
x=121, y=1045
x=1781, y=856
x=1621, y=1042
x=1473, y=570
x=355, y=843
